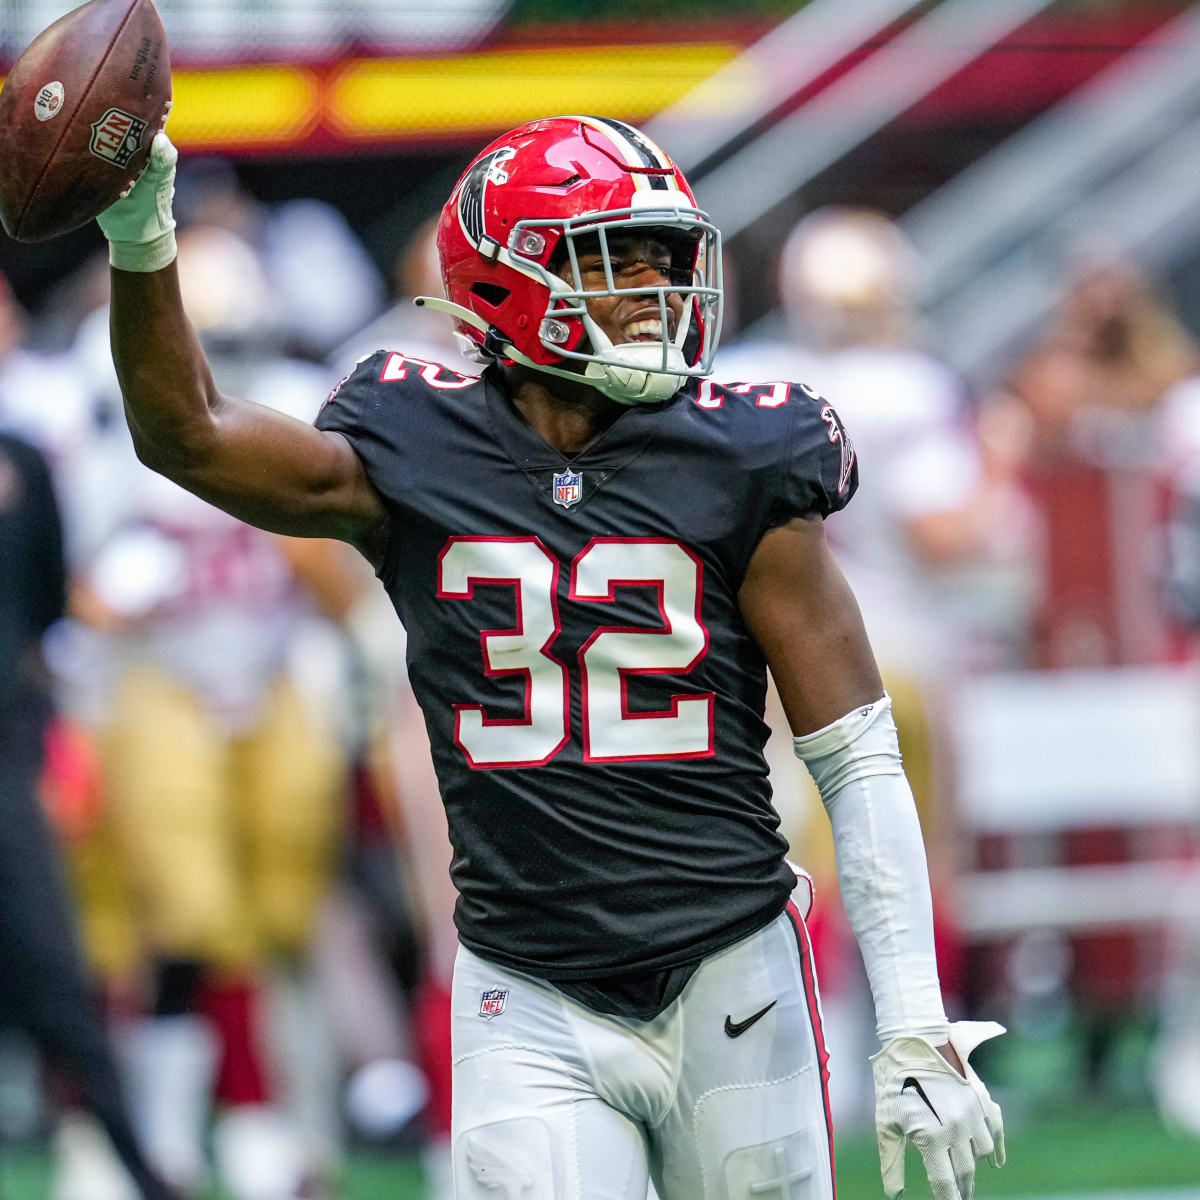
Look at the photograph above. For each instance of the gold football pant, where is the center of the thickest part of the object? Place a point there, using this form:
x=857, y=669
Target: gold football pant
x=226, y=845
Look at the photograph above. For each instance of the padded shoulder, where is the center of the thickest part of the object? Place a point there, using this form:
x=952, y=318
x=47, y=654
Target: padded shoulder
x=380, y=388
x=793, y=431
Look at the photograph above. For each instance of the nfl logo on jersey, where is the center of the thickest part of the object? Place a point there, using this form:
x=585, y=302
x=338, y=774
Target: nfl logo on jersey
x=568, y=488
x=492, y=1002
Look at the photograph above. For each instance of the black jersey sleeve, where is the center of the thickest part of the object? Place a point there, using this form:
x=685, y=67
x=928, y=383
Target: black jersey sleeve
x=346, y=408
x=820, y=471
x=363, y=411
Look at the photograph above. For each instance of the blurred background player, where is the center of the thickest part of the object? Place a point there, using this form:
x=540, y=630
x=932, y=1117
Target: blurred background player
x=417, y=272
x=323, y=286
x=941, y=550
x=44, y=988
x=1110, y=354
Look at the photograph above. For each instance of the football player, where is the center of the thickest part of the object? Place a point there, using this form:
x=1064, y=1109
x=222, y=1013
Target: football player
x=597, y=553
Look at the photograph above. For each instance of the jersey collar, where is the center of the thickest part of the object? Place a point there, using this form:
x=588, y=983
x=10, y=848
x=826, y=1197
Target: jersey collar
x=597, y=464
x=622, y=441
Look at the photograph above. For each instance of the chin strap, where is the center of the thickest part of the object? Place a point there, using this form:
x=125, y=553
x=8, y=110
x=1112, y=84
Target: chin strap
x=623, y=382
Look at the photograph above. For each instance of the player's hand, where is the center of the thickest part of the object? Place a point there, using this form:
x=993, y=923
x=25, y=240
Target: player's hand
x=951, y=1119
x=140, y=227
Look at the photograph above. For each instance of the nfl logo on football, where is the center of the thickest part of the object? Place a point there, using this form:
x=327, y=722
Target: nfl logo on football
x=492, y=1002
x=568, y=488
x=117, y=136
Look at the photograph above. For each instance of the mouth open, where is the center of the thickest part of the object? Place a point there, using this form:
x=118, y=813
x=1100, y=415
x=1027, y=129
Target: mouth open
x=646, y=329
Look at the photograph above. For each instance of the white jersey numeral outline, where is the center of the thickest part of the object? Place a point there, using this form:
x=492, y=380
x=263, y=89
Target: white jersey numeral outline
x=524, y=564
x=395, y=369
x=772, y=395
x=611, y=731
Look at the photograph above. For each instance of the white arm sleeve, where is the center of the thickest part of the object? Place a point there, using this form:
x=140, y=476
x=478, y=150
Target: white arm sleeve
x=884, y=880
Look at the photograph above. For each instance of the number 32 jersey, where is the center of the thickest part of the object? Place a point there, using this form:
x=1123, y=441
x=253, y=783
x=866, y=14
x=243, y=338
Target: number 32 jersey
x=593, y=697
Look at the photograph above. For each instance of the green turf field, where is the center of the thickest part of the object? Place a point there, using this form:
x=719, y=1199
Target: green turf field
x=1079, y=1152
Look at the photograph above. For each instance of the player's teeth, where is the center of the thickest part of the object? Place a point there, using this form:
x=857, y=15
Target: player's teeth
x=644, y=329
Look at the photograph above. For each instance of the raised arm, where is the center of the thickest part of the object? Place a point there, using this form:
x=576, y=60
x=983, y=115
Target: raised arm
x=801, y=610
x=259, y=465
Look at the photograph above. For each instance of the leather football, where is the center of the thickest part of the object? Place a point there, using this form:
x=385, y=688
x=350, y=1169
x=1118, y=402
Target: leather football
x=77, y=115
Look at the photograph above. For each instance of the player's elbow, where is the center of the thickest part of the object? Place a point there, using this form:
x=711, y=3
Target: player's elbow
x=177, y=457
x=149, y=453
x=155, y=455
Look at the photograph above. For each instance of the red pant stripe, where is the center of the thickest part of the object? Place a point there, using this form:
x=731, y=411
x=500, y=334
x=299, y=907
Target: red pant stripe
x=813, y=997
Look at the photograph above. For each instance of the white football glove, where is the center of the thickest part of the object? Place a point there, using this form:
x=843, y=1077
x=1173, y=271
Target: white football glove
x=140, y=227
x=920, y=1097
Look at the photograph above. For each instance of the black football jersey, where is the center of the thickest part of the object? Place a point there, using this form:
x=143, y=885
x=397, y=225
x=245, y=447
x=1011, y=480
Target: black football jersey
x=593, y=697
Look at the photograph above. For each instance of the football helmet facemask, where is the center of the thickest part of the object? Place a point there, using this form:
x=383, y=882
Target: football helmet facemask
x=516, y=225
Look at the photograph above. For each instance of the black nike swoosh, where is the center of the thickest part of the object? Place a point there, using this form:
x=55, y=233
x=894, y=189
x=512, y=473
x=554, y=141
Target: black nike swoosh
x=737, y=1030
x=910, y=1082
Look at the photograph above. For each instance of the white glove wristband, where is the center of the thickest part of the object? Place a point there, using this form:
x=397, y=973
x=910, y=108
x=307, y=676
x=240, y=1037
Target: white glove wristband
x=140, y=227
x=855, y=763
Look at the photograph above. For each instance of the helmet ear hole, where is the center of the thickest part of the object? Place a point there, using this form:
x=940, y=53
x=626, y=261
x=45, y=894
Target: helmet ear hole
x=491, y=293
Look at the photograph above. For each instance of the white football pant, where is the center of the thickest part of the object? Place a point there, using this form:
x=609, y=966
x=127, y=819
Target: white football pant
x=553, y=1101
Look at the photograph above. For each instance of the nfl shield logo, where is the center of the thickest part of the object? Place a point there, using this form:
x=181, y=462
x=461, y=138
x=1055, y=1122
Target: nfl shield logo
x=117, y=136
x=492, y=1002
x=568, y=488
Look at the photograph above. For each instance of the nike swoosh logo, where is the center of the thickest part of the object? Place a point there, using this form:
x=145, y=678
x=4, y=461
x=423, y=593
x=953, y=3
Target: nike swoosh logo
x=915, y=1084
x=737, y=1030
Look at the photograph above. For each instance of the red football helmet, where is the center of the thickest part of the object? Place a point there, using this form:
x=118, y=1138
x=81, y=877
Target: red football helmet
x=516, y=219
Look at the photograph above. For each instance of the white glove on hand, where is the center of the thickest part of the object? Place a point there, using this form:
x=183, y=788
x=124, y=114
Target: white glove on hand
x=140, y=227
x=920, y=1097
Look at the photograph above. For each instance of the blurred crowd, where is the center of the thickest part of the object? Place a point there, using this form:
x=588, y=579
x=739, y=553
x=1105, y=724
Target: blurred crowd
x=237, y=778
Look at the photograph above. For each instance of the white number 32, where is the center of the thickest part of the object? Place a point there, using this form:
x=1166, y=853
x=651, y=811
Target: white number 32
x=611, y=732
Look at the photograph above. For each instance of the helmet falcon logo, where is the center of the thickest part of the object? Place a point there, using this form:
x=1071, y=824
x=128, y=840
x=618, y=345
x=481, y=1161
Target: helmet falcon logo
x=496, y=172
x=471, y=207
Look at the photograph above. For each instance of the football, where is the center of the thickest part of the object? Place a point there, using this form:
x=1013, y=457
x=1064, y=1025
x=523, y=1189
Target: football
x=77, y=115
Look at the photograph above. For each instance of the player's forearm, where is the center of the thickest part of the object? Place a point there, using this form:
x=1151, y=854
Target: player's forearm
x=881, y=867
x=165, y=379
x=885, y=890
x=169, y=394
